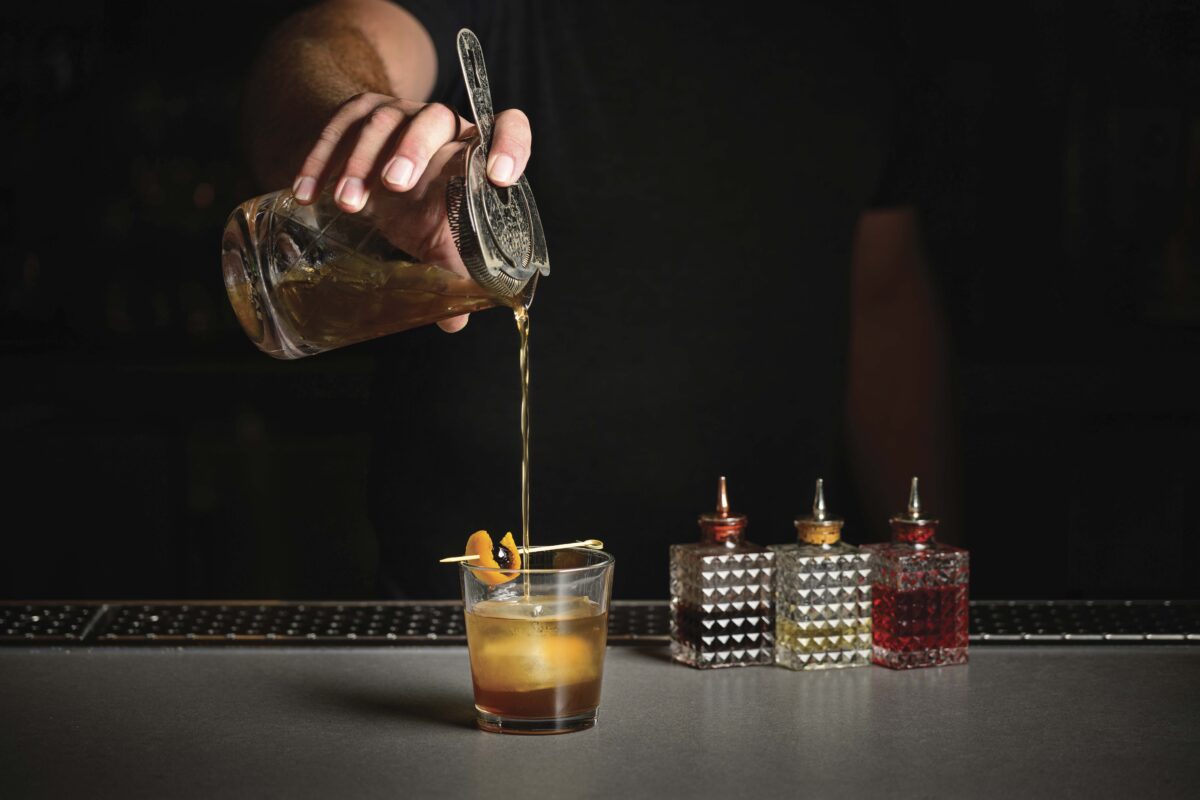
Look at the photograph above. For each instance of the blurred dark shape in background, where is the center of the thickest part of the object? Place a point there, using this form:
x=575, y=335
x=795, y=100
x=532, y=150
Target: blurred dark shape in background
x=151, y=451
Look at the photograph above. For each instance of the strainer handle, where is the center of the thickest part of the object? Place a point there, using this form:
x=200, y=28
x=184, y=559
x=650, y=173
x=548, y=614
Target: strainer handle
x=470, y=57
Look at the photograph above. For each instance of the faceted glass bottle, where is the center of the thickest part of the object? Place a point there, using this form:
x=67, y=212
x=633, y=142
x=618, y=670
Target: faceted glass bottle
x=721, y=604
x=822, y=596
x=919, y=595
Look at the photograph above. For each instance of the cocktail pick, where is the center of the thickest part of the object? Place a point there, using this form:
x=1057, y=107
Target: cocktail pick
x=593, y=544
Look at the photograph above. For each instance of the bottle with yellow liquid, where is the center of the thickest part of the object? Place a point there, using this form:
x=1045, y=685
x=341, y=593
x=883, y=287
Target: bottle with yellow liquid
x=306, y=279
x=822, y=595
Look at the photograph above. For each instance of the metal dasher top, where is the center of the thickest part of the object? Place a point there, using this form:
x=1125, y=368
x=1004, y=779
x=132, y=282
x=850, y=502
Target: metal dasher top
x=497, y=229
x=913, y=527
x=722, y=526
x=822, y=527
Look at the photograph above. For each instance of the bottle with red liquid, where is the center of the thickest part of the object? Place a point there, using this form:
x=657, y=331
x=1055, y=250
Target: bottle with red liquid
x=721, y=602
x=918, y=595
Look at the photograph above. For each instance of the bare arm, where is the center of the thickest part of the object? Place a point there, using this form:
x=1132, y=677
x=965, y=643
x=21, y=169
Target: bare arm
x=899, y=408
x=316, y=61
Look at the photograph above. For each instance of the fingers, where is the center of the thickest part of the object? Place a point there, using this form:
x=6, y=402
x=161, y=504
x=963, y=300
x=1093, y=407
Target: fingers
x=430, y=129
x=375, y=132
x=366, y=126
x=309, y=180
x=408, y=139
x=511, y=143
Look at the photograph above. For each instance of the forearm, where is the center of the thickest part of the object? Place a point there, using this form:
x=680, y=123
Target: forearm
x=899, y=408
x=314, y=62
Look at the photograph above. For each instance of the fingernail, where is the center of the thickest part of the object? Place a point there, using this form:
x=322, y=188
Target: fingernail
x=304, y=188
x=350, y=193
x=501, y=168
x=398, y=171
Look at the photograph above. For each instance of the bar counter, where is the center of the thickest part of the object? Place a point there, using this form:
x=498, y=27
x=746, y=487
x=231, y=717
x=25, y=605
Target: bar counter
x=167, y=720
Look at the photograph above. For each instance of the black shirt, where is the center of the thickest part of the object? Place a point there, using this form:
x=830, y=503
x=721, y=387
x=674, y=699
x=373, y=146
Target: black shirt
x=699, y=172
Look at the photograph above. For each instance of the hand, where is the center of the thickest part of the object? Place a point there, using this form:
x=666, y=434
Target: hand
x=404, y=144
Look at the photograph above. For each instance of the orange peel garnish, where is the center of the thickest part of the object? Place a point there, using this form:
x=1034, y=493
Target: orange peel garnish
x=506, y=556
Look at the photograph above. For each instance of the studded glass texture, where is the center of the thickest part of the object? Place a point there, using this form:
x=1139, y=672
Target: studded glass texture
x=919, y=605
x=721, y=605
x=822, y=606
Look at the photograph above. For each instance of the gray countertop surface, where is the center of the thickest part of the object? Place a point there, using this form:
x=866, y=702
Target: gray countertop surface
x=393, y=722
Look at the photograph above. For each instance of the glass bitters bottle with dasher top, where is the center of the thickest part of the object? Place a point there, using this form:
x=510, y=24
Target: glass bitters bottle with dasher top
x=822, y=596
x=920, y=614
x=721, y=604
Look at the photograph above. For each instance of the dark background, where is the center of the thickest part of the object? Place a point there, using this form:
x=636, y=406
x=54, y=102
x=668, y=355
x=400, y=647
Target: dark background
x=150, y=451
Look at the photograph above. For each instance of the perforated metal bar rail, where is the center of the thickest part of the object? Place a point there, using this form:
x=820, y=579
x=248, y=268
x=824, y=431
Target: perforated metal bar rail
x=441, y=622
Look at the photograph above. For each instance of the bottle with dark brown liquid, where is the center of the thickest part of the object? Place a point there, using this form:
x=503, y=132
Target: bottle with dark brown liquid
x=721, y=603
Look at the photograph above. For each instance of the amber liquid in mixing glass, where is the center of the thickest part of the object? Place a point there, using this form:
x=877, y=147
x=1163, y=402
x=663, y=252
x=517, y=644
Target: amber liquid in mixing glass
x=343, y=298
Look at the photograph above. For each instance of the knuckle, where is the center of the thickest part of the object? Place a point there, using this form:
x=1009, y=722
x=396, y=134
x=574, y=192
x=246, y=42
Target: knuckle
x=515, y=146
x=415, y=149
x=440, y=113
x=362, y=101
x=385, y=118
x=515, y=137
x=514, y=122
x=516, y=115
x=418, y=145
x=353, y=103
x=331, y=134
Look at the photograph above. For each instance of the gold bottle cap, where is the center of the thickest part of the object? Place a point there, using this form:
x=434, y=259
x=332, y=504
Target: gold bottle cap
x=821, y=527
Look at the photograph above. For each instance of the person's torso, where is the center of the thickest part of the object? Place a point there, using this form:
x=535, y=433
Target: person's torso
x=699, y=177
